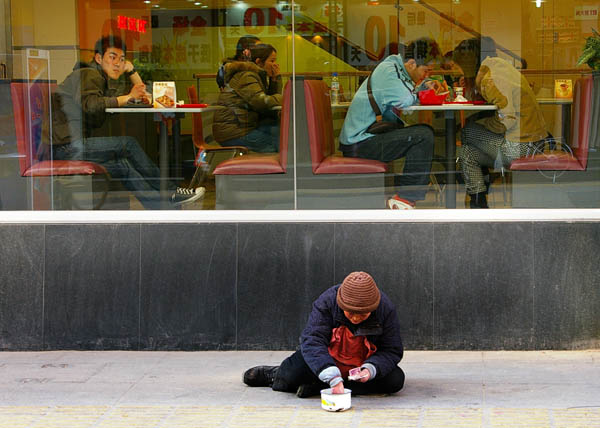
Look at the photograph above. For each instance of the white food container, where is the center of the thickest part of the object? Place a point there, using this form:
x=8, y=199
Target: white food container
x=336, y=402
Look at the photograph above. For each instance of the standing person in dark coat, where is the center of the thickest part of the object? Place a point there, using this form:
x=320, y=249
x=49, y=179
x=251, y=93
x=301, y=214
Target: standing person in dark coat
x=351, y=325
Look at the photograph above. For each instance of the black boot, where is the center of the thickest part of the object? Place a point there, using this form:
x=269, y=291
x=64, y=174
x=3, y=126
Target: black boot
x=260, y=375
x=478, y=200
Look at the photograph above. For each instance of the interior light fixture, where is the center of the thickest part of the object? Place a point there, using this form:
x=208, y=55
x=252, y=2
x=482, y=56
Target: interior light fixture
x=197, y=3
x=538, y=3
x=147, y=1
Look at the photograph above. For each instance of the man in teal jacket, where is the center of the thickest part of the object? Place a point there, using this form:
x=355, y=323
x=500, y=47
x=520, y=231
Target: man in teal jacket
x=393, y=85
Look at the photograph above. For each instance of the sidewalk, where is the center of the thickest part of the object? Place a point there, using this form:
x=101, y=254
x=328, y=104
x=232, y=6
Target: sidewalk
x=204, y=389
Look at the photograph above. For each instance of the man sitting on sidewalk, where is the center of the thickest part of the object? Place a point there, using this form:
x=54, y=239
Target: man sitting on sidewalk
x=352, y=325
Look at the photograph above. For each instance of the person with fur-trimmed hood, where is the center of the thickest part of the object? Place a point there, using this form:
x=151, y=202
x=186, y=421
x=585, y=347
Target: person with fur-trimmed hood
x=252, y=90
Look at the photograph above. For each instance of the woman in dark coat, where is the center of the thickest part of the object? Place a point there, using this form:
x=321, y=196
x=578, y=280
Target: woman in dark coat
x=252, y=90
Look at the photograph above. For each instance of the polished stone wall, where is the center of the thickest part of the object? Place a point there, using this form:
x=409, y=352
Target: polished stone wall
x=529, y=285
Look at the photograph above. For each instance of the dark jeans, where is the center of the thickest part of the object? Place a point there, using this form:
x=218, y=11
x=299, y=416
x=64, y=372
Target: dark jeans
x=264, y=139
x=294, y=372
x=124, y=159
x=415, y=143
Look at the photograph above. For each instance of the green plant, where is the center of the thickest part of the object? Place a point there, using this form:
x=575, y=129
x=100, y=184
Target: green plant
x=591, y=52
x=151, y=72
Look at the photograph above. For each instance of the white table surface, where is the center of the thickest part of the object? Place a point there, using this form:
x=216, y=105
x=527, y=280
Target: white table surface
x=451, y=107
x=161, y=110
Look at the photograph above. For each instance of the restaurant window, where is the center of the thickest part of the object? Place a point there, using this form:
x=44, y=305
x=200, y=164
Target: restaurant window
x=498, y=111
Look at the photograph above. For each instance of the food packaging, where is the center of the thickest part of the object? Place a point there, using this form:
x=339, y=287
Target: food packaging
x=429, y=97
x=563, y=88
x=164, y=94
x=336, y=402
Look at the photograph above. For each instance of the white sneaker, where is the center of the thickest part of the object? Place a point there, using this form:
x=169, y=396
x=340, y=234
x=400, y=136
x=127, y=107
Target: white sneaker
x=397, y=203
x=184, y=195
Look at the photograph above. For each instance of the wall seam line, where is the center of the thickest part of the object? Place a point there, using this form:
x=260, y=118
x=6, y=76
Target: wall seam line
x=433, y=288
x=237, y=269
x=139, y=344
x=44, y=290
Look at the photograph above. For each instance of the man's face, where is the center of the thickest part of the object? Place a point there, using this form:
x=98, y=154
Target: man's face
x=417, y=72
x=112, y=62
x=356, y=318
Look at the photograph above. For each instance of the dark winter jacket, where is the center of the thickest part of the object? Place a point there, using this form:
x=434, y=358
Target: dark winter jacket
x=79, y=102
x=381, y=328
x=249, y=97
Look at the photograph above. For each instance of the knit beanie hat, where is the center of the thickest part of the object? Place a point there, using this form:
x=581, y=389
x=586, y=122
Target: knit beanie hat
x=358, y=293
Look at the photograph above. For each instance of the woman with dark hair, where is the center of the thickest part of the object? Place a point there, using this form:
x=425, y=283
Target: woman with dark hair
x=242, y=53
x=252, y=89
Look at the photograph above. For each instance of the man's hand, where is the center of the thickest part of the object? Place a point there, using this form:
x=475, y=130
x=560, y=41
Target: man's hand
x=138, y=91
x=127, y=67
x=365, y=375
x=338, y=389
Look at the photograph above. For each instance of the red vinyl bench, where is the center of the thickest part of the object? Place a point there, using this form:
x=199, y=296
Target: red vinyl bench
x=31, y=105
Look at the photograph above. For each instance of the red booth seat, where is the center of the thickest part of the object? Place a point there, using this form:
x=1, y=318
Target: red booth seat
x=580, y=125
x=322, y=142
x=58, y=167
x=256, y=164
x=29, y=134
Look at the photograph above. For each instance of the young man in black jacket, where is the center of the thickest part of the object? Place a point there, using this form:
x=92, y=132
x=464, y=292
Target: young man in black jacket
x=352, y=325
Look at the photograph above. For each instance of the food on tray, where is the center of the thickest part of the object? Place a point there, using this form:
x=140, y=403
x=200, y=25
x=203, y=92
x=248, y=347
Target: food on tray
x=166, y=101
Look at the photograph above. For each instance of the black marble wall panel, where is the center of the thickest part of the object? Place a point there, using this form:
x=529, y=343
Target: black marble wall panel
x=483, y=286
x=250, y=286
x=282, y=268
x=399, y=256
x=21, y=286
x=92, y=285
x=567, y=285
x=188, y=298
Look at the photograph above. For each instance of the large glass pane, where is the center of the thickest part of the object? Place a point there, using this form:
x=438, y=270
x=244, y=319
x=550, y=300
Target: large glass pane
x=530, y=138
x=512, y=150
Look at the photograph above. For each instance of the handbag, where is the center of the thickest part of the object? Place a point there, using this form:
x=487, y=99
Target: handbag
x=379, y=126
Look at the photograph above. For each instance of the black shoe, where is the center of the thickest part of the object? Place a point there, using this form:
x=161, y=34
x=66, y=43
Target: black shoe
x=478, y=200
x=184, y=195
x=260, y=375
x=308, y=390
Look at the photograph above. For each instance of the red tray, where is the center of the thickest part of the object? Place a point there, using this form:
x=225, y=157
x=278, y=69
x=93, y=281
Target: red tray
x=476, y=103
x=192, y=105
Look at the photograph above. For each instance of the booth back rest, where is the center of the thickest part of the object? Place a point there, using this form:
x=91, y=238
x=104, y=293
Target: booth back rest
x=31, y=111
x=284, y=132
x=580, y=124
x=319, y=121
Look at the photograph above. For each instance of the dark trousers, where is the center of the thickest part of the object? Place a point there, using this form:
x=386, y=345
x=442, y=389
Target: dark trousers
x=294, y=372
x=414, y=143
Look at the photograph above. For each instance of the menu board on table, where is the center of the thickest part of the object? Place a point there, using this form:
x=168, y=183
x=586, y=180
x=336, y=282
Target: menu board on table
x=164, y=94
x=563, y=88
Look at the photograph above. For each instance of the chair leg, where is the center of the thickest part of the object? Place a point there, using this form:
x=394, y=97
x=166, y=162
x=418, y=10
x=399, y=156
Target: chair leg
x=439, y=190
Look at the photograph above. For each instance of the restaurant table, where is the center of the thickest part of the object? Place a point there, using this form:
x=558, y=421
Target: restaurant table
x=161, y=115
x=565, y=104
x=449, y=114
